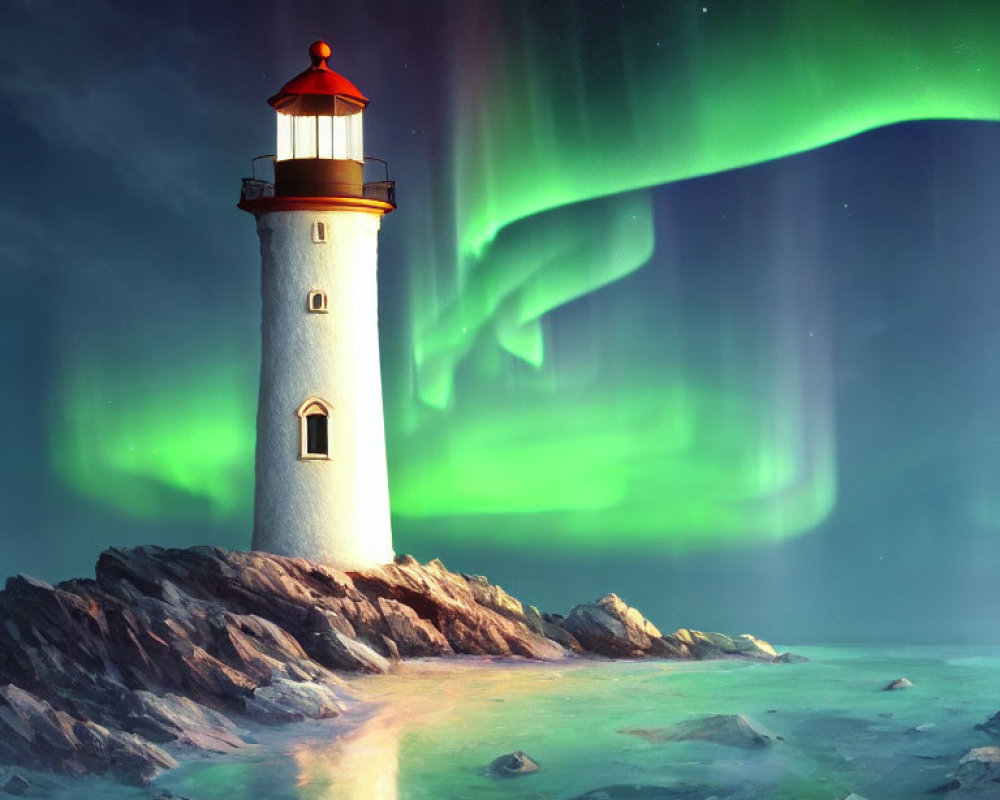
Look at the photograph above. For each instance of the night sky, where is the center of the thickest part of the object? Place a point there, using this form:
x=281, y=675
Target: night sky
x=693, y=302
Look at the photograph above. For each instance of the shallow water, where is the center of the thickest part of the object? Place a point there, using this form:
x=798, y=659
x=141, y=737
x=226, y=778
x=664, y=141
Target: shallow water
x=434, y=727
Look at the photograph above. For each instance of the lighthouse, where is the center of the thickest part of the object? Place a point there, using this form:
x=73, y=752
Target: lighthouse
x=321, y=485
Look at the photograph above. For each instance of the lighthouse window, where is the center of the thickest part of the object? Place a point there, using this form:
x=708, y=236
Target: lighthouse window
x=317, y=301
x=319, y=232
x=317, y=443
x=314, y=429
x=304, y=141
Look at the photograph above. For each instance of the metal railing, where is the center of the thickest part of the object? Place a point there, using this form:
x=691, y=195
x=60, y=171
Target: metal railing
x=254, y=189
x=385, y=191
x=382, y=190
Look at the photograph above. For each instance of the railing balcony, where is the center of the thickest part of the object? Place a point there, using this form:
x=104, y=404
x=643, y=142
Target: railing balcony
x=385, y=191
x=254, y=189
x=382, y=190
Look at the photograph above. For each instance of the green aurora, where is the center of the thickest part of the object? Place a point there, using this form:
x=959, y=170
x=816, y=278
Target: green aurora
x=562, y=123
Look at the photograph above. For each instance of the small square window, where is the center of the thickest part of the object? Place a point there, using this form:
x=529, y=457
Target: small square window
x=319, y=232
x=316, y=303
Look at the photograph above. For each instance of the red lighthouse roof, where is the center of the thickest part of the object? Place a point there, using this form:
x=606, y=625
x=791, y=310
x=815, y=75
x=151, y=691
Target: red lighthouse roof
x=315, y=90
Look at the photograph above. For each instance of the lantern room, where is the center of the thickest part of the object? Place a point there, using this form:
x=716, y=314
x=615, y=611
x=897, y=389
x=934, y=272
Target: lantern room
x=320, y=144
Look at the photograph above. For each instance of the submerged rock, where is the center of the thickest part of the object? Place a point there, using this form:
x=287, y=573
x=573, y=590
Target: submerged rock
x=733, y=730
x=16, y=784
x=978, y=773
x=164, y=648
x=512, y=764
x=792, y=658
x=991, y=726
x=899, y=683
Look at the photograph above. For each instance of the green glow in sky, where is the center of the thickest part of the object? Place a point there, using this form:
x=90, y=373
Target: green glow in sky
x=571, y=112
x=560, y=112
x=560, y=127
x=155, y=444
x=662, y=462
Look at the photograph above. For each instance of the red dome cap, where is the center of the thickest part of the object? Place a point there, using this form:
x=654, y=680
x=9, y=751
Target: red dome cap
x=314, y=91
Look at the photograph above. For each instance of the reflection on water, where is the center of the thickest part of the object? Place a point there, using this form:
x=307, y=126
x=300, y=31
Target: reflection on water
x=429, y=731
x=363, y=765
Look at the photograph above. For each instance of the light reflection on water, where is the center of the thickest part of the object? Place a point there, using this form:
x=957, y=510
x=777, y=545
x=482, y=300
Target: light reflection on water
x=432, y=729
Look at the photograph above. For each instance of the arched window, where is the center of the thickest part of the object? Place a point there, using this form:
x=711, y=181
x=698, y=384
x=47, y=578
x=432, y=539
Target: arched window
x=314, y=429
x=317, y=301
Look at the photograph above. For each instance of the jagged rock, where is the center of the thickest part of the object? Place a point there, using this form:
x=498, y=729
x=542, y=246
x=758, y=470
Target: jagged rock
x=333, y=644
x=611, y=628
x=35, y=734
x=510, y=765
x=173, y=718
x=452, y=617
x=734, y=730
x=899, y=683
x=717, y=645
x=164, y=646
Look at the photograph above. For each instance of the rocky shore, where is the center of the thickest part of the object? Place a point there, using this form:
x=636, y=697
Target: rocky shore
x=164, y=649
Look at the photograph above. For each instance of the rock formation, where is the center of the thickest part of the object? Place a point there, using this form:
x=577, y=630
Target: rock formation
x=163, y=647
x=513, y=764
x=977, y=776
x=732, y=730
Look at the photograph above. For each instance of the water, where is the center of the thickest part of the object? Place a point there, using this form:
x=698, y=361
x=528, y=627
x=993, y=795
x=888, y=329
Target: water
x=431, y=730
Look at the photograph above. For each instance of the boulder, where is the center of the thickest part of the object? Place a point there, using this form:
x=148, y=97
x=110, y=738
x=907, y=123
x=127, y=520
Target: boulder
x=977, y=776
x=293, y=701
x=979, y=765
x=513, y=764
x=732, y=730
x=899, y=683
x=611, y=628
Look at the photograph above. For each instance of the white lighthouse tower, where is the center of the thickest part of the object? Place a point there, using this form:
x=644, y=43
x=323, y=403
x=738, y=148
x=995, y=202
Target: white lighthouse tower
x=322, y=489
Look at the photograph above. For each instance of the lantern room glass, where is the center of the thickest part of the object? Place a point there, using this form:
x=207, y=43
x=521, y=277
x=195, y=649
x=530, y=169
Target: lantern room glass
x=338, y=135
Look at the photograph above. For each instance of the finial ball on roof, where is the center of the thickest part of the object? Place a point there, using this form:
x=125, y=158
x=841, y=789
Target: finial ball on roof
x=319, y=51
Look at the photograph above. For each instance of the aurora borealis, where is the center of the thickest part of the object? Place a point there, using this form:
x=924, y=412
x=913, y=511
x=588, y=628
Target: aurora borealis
x=683, y=295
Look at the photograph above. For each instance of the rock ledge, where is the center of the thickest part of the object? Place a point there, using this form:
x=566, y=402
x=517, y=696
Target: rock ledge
x=164, y=648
